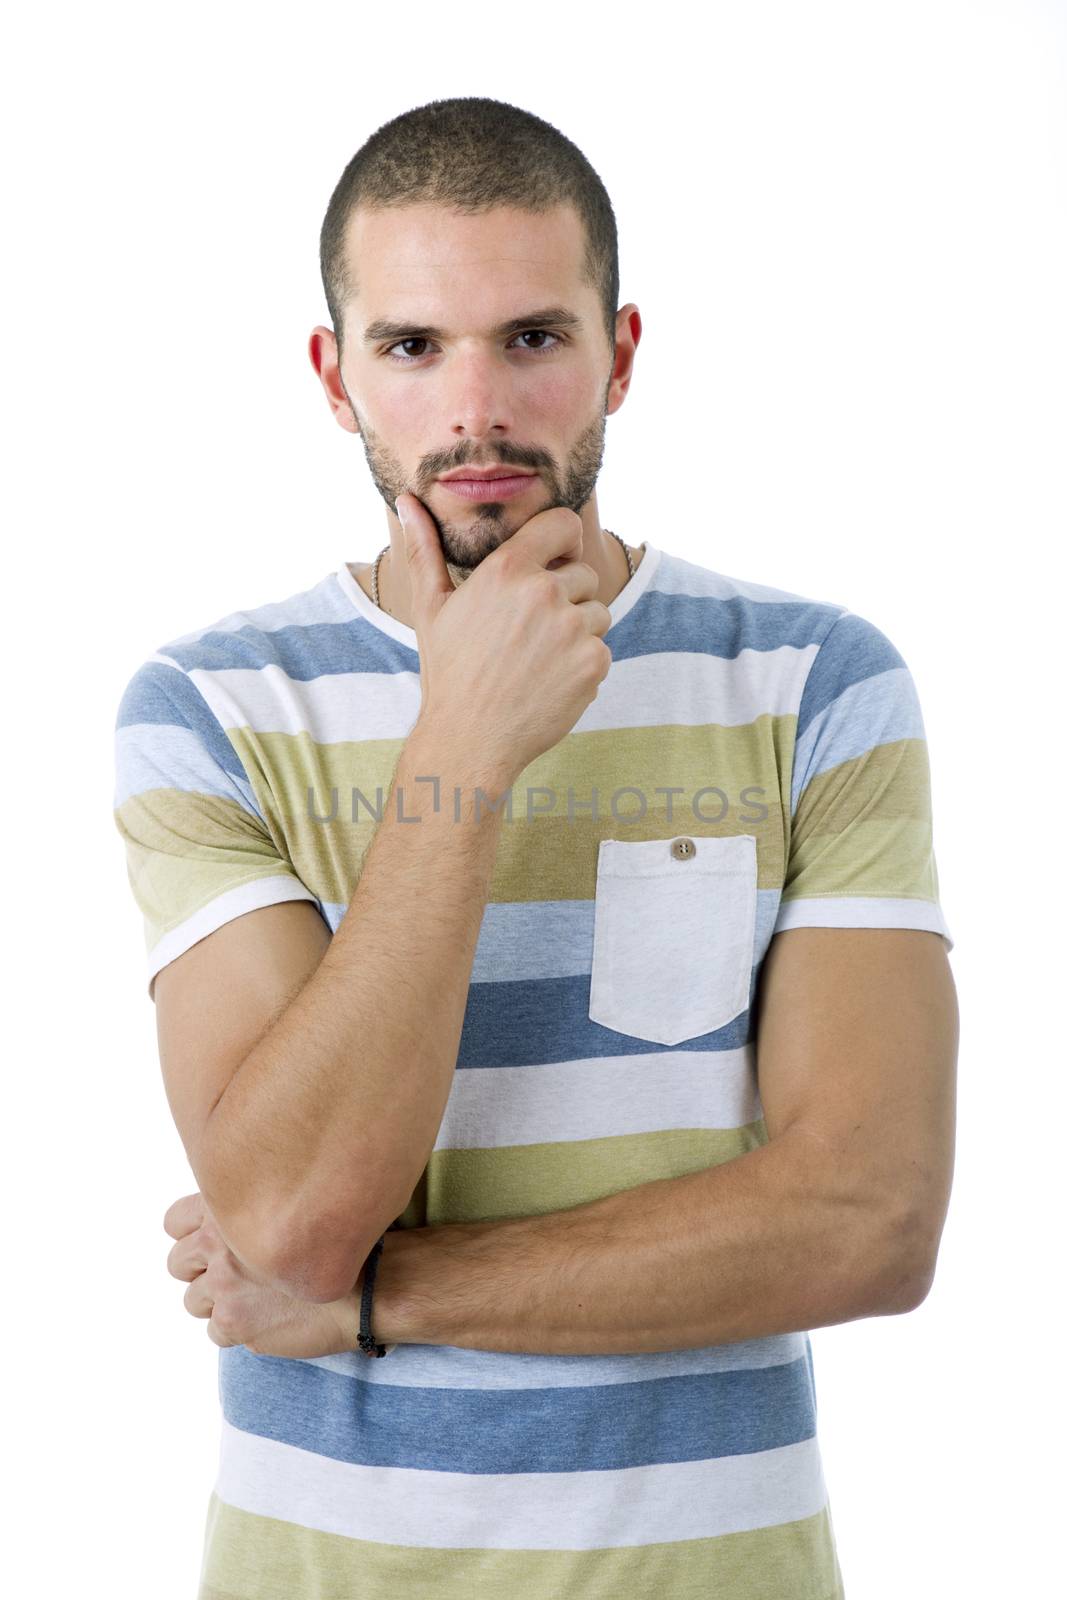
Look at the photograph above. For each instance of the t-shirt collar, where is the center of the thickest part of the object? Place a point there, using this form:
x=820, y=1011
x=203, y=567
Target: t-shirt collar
x=623, y=602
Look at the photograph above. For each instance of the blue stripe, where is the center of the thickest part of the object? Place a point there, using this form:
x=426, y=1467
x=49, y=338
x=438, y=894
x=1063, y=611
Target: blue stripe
x=852, y=650
x=531, y=939
x=164, y=696
x=658, y=622
x=302, y=653
x=705, y=625
x=603, y=1427
x=537, y=1021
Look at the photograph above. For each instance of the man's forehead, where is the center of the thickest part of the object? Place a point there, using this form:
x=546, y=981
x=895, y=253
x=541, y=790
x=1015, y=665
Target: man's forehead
x=413, y=265
x=404, y=245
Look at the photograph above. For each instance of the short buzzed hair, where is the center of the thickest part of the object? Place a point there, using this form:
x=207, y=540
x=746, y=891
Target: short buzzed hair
x=471, y=154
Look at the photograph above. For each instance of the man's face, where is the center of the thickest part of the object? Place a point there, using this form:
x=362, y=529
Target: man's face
x=534, y=399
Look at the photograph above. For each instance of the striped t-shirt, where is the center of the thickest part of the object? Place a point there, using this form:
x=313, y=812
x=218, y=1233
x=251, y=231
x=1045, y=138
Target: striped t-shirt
x=759, y=763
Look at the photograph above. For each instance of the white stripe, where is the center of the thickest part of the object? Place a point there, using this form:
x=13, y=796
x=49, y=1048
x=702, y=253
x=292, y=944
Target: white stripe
x=491, y=1108
x=446, y=1366
x=877, y=710
x=678, y=576
x=522, y=1510
x=695, y=690
x=321, y=603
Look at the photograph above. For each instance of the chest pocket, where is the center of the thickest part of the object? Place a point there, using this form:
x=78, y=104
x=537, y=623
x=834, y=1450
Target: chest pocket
x=673, y=935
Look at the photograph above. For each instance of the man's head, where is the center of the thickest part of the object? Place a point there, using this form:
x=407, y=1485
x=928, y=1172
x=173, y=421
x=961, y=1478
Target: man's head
x=461, y=217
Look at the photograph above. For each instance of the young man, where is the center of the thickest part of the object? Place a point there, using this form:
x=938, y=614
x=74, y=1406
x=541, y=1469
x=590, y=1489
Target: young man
x=561, y=910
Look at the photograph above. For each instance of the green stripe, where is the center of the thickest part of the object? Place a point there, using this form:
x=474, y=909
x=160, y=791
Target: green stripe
x=880, y=801
x=530, y=1180
x=548, y=857
x=184, y=850
x=248, y=1555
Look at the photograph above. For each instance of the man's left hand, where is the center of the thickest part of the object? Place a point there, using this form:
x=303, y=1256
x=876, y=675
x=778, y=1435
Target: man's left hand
x=243, y=1309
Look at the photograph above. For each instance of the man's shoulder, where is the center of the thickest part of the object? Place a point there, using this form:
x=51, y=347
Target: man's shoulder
x=259, y=635
x=188, y=679
x=822, y=647
x=679, y=571
x=750, y=613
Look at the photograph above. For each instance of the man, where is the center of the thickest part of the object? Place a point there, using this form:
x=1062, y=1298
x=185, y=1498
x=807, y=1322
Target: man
x=641, y=1067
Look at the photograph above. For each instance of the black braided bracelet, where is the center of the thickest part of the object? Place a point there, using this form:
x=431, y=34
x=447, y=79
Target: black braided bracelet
x=366, y=1341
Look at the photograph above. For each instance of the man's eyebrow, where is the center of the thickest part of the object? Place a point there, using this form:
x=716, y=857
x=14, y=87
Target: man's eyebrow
x=547, y=317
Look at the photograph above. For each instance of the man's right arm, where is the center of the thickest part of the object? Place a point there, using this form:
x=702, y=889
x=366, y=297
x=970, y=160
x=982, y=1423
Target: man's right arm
x=321, y=1133
x=309, y=1079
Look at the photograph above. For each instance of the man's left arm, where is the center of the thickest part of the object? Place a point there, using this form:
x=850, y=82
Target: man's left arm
x=839, y=1216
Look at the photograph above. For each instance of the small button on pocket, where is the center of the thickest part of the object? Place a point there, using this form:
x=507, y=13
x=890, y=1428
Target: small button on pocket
x=673, y=935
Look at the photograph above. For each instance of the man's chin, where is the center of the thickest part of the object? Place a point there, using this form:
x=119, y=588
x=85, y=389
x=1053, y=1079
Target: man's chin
x=466, y=544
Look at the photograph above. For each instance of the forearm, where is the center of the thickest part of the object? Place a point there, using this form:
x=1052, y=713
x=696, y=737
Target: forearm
x=323, y=1131
x=757, y=1246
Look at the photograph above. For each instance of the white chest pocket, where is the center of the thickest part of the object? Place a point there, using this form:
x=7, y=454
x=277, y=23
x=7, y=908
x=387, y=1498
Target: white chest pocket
x=673, y=935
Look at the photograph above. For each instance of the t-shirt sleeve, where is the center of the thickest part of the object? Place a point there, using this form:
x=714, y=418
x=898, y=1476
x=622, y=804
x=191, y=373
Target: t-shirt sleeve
x=198, y=852
x=861, y=851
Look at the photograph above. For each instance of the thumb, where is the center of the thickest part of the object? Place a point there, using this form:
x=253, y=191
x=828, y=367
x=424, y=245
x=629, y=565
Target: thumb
x=427, y=572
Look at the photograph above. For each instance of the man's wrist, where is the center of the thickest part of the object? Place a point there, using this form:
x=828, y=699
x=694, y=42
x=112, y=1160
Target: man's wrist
x=440, y=751
x=391, y=1321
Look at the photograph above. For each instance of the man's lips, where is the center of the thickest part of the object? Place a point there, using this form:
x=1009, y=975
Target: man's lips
x=488, y=488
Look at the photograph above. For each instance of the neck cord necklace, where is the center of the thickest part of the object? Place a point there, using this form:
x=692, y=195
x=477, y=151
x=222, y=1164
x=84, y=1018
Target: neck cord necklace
x=381, y=553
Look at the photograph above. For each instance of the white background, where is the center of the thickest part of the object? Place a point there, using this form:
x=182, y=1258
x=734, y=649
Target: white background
x=845, y=227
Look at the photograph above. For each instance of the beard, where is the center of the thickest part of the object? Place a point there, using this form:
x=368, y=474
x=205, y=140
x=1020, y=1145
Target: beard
x=466, y=544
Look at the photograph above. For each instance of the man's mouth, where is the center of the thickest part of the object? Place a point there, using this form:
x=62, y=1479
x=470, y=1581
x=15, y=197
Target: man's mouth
x=491, y=488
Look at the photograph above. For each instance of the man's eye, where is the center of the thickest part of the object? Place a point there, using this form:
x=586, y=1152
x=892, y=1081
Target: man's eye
x=537, y=333
x=540, y=333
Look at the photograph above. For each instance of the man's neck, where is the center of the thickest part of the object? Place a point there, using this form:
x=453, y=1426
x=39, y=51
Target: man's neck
x=614, y=584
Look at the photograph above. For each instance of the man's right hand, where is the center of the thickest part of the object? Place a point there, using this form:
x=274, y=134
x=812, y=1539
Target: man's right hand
x=510, y=659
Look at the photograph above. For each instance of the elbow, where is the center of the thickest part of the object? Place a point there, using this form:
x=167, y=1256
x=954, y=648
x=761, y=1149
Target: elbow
x=909, y=1258
x=912, y=1291
x=293, y=1259
x=301, y=1249
x=323, y=1266
x=905, y=1290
